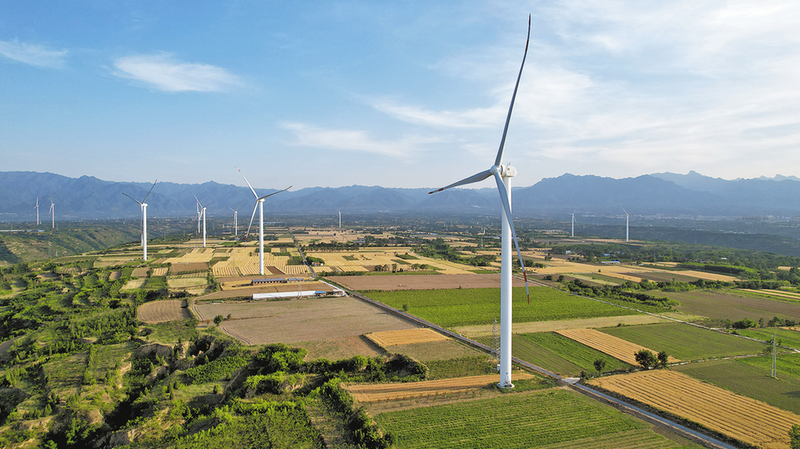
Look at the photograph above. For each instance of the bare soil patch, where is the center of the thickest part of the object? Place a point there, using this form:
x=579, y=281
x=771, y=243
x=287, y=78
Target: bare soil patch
x=263, y=322
x=187, y=267
x=407, y=390
x=421, y=282
x=162, y=311
x=405, y=337
x=484, y=330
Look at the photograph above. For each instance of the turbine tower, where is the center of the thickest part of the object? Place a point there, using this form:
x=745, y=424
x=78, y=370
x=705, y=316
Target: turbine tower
x=37, y=210
x=53, y=213
x=573, y=224
x=202, y=213
x=260, y=205
x=340, y=219
x=236, y=219
x=627, y=224
x=143, y=206
x=501, y=174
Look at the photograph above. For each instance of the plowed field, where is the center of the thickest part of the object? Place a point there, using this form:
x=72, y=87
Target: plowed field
x=162, y=311
x=615, y=347
x=405, y=337
x=745, y=419
x=382, y=392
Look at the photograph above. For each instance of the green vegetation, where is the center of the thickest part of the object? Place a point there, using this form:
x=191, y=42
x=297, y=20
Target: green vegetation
x=561, y=354
x=439, y=249
x=784, y=337
x=460, y=367
x=460, y=307
x=530, y=419
x=686, y=342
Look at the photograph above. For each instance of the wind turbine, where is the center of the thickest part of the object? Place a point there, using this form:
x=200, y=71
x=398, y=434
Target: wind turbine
x=236, y=218
x=143, y=206
x=37, y=210
x=340, y=219
x=53, y=213
x=501, y=173
x=202, y=213
x=573, y=223
x=260, y=205
x=627, y=224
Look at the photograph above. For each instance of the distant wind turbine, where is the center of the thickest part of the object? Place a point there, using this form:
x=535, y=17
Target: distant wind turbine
x=340, y=219
x=573, y=223
x=260, y=205
x=37, y=210
x=627, y=224
x=236, y=218
x=143, y=206
x=53, y=212
x=501, y=175
x=202, y=213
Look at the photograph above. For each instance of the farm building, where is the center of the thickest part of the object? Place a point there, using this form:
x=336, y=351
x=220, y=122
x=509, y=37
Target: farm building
x=275, y=281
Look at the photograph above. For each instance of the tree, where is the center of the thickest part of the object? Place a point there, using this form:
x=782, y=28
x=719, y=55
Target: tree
x=663, y=359
x=794, y=437
x=600, y=365
x=646, y=358
x=218, y=319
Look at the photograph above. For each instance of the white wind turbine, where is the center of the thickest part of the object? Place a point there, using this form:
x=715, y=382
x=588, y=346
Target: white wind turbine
x=627, y=224
x=500, y=172
x=573, y=223
x=37, y=210
x=236, y=219
x=53, y=213
x=260, y=205
x=143, y=206
x=202, y=213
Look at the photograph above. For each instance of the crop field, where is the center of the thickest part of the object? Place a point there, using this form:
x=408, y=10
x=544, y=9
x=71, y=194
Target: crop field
x=686, y=342
x=618, y=348
x=406, y=337
x=748, y=420
x=160, y=271
x=140, y=272
x=549, y=418
x=733, y=305
x=339, y=348
x=182, y=283
x=365, y=260
x=460, y=307
x=560, y=354
x=422, y=282
x=162, y=311
x=109, y=261
x=114, y=275
x=263, y=322
x=785, y=337
x=750, y=377
x=482, y=330
x=406, y=390
x=778, y=294
x=133, y=284
x=187, y=267
x=435, y=350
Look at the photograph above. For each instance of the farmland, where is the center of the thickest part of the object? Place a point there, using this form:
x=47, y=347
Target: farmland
x=162, y=311
x=686, y=342
x=561, y=354
x=615, y=347
x=733, y=305
x=748, y=420
x=545, y=418
x=421, y=282
x=406, y=390
x=460, y=307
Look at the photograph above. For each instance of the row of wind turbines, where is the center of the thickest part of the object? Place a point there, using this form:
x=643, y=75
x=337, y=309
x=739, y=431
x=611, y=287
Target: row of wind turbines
x=52, y=212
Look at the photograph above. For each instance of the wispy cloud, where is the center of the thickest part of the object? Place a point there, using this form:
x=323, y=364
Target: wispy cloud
x=165, y=73
x=470, y=118
x=32, y=54
x=353, y=141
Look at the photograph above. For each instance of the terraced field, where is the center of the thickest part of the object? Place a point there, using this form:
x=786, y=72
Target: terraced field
x=748, y=420
x=162, y=311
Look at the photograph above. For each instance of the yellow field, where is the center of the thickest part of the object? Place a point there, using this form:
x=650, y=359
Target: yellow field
x=407, y=390
x=244, y=262
x=615, y=347
x=160, y=271
x=195, y=255
x=133, y=284
x=745, y=419
x=140, y=272
x=186, y=282
x=103, y=262
x=405, y=337
x=366, y=259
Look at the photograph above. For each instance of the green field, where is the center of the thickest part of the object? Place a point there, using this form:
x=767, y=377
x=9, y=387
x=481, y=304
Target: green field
x=750, y=377
x=531, y=419
x=686, y=342
x=461, y=307
x=786, y=337
x=561, y=354
x=732, y=305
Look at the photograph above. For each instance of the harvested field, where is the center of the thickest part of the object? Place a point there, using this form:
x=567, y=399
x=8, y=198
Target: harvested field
x=187, y=267
x=405, y=337
x=615, y=347
x=733, y=305
x=133, y=284
x=114, y=275
x=160, y=271
x=421, y=282
x=186, y=282
x=140, y=272
x=436, y=350
x=263, y=322
x=339, y=348
x=162, y=311
x=748, y=420
x=406, y=390
x=483, y=330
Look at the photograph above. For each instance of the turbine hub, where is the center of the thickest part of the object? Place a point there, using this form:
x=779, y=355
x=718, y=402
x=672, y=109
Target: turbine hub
x=508, y=171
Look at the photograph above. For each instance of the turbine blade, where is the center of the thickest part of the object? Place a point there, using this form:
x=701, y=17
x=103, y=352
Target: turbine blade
x=275, y=193
x=151, y=189
x=134, y=199
x=499, y=159
x=474, y=178
x=251, y=221
x=507, y=207
x=623, y=210
x=248, y=183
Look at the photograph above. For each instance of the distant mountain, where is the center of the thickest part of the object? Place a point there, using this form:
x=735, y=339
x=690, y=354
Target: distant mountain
x=665, y=194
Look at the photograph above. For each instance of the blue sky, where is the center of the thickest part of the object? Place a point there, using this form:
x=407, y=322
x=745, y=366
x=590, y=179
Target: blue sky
x=399, y=94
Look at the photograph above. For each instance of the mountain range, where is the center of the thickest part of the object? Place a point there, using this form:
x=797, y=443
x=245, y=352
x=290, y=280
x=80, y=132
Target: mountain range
x=660, y=194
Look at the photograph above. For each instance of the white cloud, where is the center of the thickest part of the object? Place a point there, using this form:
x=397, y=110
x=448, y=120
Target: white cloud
x=470, y=118
x=354, y=141
x=164, y=73
x=32, y=54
